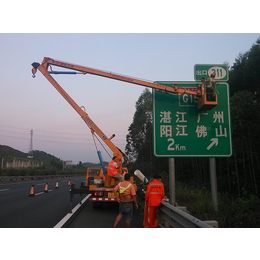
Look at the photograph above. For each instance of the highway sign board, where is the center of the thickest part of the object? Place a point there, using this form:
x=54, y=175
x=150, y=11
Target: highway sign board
x=181, y=130
x=205, y=70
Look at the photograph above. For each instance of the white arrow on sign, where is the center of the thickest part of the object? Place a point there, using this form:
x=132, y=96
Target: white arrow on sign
x=214, y=142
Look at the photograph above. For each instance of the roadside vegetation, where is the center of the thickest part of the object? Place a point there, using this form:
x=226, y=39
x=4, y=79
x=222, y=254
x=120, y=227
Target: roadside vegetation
x=233, y=212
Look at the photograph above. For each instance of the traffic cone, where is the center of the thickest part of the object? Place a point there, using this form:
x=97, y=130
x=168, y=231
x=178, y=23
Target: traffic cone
x=32, y=191
x=46, y=188
x=69, y=183
x=57, y=185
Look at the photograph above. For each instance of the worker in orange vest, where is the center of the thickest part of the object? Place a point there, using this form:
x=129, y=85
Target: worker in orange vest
x=153, y=197
x=112, y=170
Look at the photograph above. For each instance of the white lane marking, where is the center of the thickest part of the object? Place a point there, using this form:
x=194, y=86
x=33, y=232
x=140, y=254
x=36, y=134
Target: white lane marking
x=67, y=217
x=36, y=194
x=4, y=189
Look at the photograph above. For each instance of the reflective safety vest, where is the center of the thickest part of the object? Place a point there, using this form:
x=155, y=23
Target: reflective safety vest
x=123, y=189
x=111, y=170
x=154, y=193
x=210, y=83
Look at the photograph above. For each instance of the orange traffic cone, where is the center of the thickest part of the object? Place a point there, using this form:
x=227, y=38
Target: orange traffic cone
x=46, y=188
x=69, y=183
x=32, y=191
x=57, y=185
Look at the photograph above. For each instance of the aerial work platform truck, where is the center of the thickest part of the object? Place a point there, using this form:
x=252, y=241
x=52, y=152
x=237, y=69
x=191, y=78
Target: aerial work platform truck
x=98, y=183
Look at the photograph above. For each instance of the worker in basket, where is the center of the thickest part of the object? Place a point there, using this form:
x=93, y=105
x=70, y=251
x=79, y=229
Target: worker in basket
x=211, y=87
x=112, y=169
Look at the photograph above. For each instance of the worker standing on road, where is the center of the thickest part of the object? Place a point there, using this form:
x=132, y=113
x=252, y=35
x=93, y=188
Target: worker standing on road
x=153, y=197
x=112, y=170
x=125, y=198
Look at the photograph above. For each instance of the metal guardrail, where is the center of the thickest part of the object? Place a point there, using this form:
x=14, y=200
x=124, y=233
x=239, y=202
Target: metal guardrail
x=29, y=178
x=178, y=218
x=67, y=220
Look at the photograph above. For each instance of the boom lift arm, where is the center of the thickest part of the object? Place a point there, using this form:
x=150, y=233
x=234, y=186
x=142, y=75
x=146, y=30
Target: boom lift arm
x=85, y=70
x=93, y=127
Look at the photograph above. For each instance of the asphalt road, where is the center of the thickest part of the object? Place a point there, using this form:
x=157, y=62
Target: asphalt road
x=44, y=210
x=104, y=217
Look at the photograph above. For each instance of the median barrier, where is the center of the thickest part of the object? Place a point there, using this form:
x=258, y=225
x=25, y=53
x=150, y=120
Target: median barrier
x=4, y=179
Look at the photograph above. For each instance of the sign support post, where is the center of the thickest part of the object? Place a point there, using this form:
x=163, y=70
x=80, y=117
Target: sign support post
x=213, y=180
x=172, y=180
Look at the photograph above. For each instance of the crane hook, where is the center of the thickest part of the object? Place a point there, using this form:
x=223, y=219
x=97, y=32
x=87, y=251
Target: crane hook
x=34, y=70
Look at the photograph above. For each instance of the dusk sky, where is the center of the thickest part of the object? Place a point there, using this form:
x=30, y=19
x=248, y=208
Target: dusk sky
x=142, y=40
x=28, y=103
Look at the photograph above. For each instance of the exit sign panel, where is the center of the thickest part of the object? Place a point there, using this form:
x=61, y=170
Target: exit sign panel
x=181, y=130
x=205, y=70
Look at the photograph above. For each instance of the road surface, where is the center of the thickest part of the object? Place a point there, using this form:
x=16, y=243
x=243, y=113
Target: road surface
x=44, y=210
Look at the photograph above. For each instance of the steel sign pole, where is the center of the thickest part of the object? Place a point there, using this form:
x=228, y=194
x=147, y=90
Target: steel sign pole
x=213, y=180
x=172, y=180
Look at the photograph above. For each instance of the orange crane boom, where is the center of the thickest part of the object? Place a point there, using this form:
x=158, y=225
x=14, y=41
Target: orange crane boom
x=93, y=127
x=86, y=70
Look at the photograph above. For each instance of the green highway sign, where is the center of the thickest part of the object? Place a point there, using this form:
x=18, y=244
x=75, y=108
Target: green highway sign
x=205, y=70
x=181, y=130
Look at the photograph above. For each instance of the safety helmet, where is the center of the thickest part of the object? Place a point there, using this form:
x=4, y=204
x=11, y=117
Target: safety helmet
x=212, y=75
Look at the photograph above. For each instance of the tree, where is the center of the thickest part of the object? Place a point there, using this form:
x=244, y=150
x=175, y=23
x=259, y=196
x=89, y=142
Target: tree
x=139, y=137
x=245, y=72
x=80, y=165
x=245, y=90
x=245, y=131
x=56, y=165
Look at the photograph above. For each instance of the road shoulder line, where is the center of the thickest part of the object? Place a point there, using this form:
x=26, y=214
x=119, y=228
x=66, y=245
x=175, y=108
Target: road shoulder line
x=73, y=211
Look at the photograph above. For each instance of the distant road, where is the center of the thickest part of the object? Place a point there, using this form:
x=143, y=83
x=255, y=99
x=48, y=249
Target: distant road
x=45, y=210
